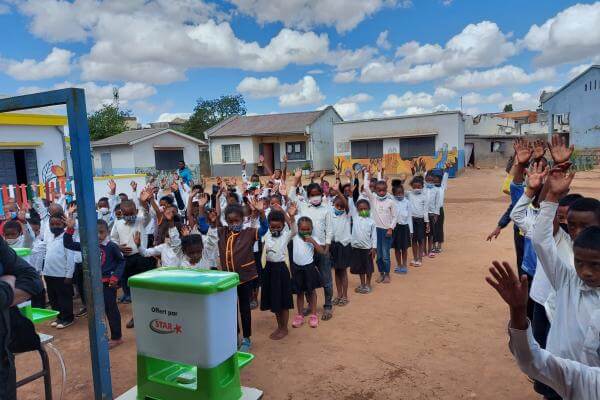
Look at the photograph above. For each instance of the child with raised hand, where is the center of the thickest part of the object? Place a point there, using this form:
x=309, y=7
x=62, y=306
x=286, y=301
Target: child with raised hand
x=364, y=245
x=305, y=275
x=235, y=251
x=570, y=379
x=340, y=246
x=440, y=182
x=383, y=213
x=403, y=229
x=169, y=250
x=276, y=281
x=432, y=194
x=112, y=265
x=420, y=219
x=574, y=330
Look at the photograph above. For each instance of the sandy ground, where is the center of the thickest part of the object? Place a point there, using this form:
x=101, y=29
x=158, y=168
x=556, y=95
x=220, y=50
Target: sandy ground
x=437, y=333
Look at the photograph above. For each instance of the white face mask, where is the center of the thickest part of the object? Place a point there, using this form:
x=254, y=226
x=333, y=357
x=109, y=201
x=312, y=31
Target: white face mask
x=12, y=242
x=103, y=210
x=315, y=200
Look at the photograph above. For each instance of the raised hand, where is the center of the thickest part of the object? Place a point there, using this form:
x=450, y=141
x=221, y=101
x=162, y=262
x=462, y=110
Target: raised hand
x=512, y=288
x=69, y=222
x=137, y=238
x=292, y=210
x=243, y=163
x=536, y=175
x=202, y=201
x=348, y=173
x=169, y=213
x=72, y=209
x=185, y=230
x=323, y=174
x=133, y=185
x=558, y=182
x=312, y=175
x=22, y=216
x=523, y=151
x=112, y=186
x=298, y=173
x=539, y=149
x=285, y=158
x=174, y=187
x=558, y=149
x=145, y=195
x=379, y=164
x=212, y=217
x=282, y=188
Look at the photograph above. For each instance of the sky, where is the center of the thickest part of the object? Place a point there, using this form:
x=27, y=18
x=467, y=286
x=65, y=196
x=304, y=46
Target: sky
x=368, y=58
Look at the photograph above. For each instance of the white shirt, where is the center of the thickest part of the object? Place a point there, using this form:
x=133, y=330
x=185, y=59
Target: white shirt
x=433, y=199
x=341, y=227
x=170, y=253
x=364, y=233
x=418, y=205
x=122, y=233
x=575, y=331
x=210, y=251
x=570, y=379
x=320, y=217
x=403, y=214
x=303, y=251
x=276, y=248
x=59, y=262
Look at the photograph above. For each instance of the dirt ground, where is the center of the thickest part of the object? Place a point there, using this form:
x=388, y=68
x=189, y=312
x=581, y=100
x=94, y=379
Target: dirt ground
x=437, y=333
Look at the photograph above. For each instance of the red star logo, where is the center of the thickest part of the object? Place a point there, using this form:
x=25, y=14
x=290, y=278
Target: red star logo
x=177, y=328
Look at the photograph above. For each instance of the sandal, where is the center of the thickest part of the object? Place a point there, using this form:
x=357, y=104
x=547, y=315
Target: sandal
x=298, y=321
x=313, y=321
x=343, y=302
x=327, y=314
x=432, y=255
x=336, y=301
x=359, y=289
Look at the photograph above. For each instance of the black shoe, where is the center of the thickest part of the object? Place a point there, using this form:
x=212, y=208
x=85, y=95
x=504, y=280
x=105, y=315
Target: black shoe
x=81, y=313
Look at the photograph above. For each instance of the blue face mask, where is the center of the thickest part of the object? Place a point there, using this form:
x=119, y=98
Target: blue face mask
x=130, y=219
x=429, y=185
x=399, y=198
x=13, y=215
x=339, y=212
x=236, y=228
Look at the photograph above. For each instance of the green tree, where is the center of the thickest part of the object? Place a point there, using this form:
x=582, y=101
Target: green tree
x=208, y=113
x=109, y=120
x=508, y=108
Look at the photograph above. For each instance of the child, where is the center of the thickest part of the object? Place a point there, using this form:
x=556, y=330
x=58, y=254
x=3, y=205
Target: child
x=104, y=211
x=59, y=266
x=383, y=212
x=364, y=246
x=169, y=249
x=113, y=264
x=36, y=259
x=235, y=251
x=403, y=229
x=432, y=195
x=276, y=281
x=420, y=219
x=340, y=247
x=305, y=275
x=441, y=182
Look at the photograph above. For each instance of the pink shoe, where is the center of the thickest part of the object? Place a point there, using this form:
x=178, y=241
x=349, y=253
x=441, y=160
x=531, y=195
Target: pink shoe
x=298, y=321
x=432, y=255
x=313, y=321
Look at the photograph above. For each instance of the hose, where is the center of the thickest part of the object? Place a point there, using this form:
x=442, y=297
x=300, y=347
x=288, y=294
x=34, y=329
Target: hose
x=62, y=366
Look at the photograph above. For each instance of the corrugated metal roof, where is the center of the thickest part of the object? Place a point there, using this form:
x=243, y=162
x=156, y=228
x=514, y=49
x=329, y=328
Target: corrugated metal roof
x=257, y=125
x=128, y=137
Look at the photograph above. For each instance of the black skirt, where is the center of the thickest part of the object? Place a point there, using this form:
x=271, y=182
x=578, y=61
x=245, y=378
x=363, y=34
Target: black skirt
x=305, y=278
x=401, y=237
x=340, y=255
x=276, y=294
x=361, y=261
x=418, y=229
x=438, y=233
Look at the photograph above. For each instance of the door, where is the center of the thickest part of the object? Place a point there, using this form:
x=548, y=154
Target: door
x=168, y=160
x=106, y=164
x=31, y=165
x=269, y=157
x=470, y=154
x=8, y=173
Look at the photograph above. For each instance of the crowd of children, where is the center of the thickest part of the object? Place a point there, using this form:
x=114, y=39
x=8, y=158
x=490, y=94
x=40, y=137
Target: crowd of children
x=282, y=239
x=555, y=298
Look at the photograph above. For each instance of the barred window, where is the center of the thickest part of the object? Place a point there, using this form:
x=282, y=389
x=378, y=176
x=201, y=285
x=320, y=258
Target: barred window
x=231, y=153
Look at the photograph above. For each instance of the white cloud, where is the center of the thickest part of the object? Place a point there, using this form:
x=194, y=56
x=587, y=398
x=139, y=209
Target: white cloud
x=508, y=75
x=520, y=100
x=168, y=117
x=443, y=93
x=356, y=98
x=478, y=45
x=56, y=64
x=473, y=98
x=306, y=91
x=344, y=15
x=348, y=110
x=344, y=77
x=447, y=2
x=571, y=35
x=382, y=40
x=315, y=72
x=4, y=9
x=408, y=99
x=345, y=59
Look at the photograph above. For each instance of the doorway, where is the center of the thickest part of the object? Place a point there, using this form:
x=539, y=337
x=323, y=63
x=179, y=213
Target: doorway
x=470, y=154
x=269, y=157
x=18, y=167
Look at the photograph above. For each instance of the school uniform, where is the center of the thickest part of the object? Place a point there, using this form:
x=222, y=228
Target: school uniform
x=404, y=226
x=305, y=274
x=575, y=330
x=439, y=234
x=364, y=239
x=340, y=248
x=59, y=265
x=169, y=252
x=420, y=216
x=276, y=282
x=432, y=194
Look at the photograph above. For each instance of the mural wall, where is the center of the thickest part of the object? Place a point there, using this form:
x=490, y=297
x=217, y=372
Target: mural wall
x=394, y=164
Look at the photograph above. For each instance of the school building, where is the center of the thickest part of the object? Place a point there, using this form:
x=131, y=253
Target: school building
x=406, y=144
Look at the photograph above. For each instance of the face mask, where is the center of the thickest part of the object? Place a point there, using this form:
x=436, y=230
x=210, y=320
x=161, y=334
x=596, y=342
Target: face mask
x=429, y=185
x=12, y=242
x=130, y=219
x=417, y=191
x=339, y=212
x=315, y=200
x=236, y=228
x=364, y=213
x=254, y=185
x=13, y=215
x=161, y=208
x=438, y=185
x=103, y=210
x=399, y=198
x=381, y=198
x=304, y=234
x=57, y=231
x=275, y=233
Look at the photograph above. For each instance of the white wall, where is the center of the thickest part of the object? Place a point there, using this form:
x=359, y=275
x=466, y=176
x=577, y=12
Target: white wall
x=281, y=140
x=52, y=149
x=121, y=157
x=143, y=152
x=321, y=132
x=248, y=148
x=490, y=125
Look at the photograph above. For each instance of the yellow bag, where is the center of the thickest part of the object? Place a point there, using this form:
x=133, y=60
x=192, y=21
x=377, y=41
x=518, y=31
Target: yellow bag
x=506, y=184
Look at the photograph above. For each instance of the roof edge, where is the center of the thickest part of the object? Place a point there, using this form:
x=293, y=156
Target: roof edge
x=588, y=69
x=400, y=117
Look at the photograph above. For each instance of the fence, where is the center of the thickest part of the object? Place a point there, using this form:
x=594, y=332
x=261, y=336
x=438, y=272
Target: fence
x=25, y=193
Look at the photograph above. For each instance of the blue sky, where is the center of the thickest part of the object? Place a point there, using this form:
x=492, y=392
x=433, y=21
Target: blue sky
x=369, y=58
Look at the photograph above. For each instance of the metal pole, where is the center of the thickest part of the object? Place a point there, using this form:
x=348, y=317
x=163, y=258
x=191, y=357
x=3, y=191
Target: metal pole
x=88, y=232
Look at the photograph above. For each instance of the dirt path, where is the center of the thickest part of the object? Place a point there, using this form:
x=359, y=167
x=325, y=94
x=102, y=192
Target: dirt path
x=437, y=333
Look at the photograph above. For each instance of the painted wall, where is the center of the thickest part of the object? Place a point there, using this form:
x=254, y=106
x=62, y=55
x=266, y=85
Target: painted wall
x=583, y=106
x=248, y=149
x=321, y=133
x=448, y=128
x=51, y=152
x=121, y=157
x=143, y=152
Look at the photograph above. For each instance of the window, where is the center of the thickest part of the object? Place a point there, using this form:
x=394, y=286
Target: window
x=166, y=160
x=585, y=88
x=417, y=146
x=231, y=153
x=367, y=149
x=295, y=150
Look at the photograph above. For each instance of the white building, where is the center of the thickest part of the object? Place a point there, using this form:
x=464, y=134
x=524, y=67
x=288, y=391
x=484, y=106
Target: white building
x=306, y=138
x=422, y=141
x=30, y=145
x=146, y=151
